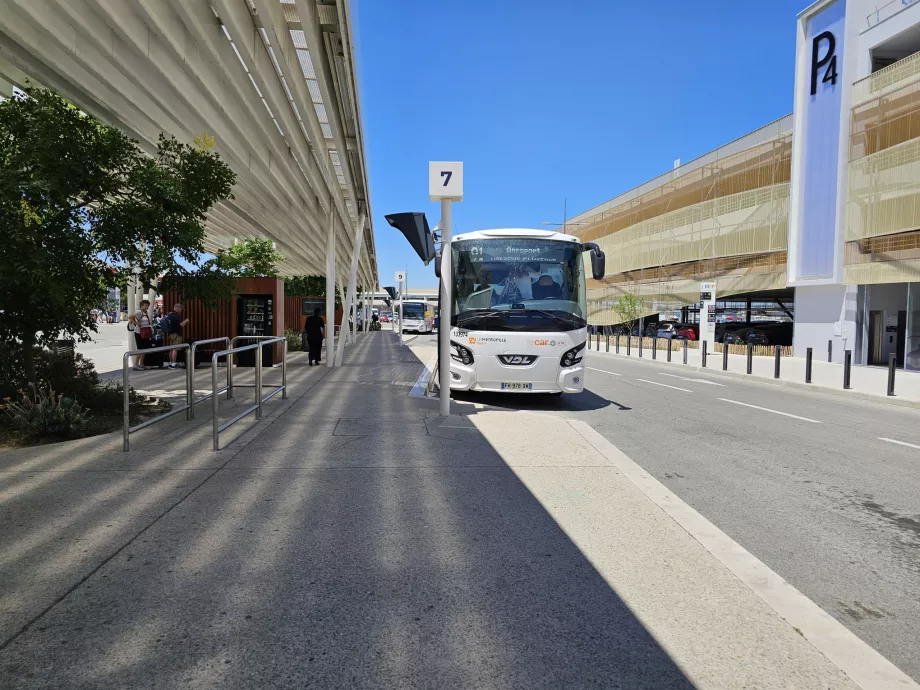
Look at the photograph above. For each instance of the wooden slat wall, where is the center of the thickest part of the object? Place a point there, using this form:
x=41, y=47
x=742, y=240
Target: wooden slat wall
x=205, y=322
x=294, y=318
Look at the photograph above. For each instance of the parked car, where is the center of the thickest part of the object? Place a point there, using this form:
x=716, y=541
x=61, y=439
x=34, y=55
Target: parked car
x=385, y=318
x=688, y=332
x=751, y=334
x=667, y=329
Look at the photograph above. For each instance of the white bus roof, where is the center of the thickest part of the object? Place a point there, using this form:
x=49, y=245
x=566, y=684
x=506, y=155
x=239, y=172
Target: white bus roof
x=514, y=232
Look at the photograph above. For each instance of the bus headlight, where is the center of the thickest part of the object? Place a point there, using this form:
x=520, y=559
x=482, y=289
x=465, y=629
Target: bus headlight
x=573, y=356
x=458, y=353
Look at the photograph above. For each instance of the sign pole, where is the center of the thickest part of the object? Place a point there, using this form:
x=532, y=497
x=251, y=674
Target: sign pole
x=400, y=277
x=444, y=307
x=445, y=184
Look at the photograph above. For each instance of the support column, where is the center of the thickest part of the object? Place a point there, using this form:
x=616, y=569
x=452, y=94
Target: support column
x=352, y=279
x=444, y=303
x=330, y=290
x=344, y=329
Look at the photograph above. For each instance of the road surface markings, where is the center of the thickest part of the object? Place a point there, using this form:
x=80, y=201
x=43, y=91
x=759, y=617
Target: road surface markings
x=664, y=385
x=684, y=378
x=865, y=666
x=604, y=371
x=900, y=443
x=767, y=409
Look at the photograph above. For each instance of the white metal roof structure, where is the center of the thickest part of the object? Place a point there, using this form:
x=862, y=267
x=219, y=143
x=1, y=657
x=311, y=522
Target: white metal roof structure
x=272, y=81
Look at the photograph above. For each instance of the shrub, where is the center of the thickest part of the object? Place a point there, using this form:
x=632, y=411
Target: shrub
x=70, y=375
x=41, y=414
x=294, y=340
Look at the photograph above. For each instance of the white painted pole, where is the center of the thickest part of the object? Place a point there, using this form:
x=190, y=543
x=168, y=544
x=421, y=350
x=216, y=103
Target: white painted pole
x=352, y=280
x=399, y=287
x=330, y=291
x=344, y=329
x=444, y=306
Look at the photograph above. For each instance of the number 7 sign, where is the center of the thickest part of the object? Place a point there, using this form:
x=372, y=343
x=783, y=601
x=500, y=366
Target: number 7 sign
x=445, y=180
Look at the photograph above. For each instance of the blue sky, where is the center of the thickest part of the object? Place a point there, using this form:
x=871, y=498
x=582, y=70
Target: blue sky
x=547, y=101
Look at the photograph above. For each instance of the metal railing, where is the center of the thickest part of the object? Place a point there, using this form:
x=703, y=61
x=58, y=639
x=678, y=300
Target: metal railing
x=264, y=339
x=191, y=375
x=217, y=427
x=127, y=429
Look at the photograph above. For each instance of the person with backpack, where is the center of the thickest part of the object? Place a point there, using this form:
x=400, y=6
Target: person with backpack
x=172, y=326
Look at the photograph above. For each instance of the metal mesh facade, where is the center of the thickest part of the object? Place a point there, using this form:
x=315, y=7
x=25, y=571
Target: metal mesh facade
x=883, y=185
x=660, y=244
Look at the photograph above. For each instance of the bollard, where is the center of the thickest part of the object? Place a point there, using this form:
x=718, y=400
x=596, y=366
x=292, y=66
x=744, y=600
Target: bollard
x=654, y=348
x=628, y=344
x=703, y=345
x=608, y=342
x=776, y=355
x=891, y=364
x=618, y=343
x=830, y=350
x=750, y=358
x=686, y=349
x=589, y=341
x=669, y=349
x=597, y=342
x=724, y=356
x=808, y=365
x=847, y=363
x=640, y=344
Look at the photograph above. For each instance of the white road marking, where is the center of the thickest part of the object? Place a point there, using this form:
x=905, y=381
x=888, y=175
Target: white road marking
x=664, y=385
x=604, y=371
x=684, y=378
x=865, y=666
x=900, y=443
x=767, y=409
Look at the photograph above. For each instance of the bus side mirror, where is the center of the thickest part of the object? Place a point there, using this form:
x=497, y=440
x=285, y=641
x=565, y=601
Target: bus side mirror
x=598, y=260
x=437, y=263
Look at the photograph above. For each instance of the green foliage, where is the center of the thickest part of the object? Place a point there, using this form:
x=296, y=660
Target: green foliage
x=80, y=206
x=38, y=413
x=308, y=286
x=629, y=308
x=294, y=340
x=72, y=376
x=253, y=258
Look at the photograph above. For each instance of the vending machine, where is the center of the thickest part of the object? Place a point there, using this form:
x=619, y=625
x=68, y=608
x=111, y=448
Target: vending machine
x=256, y=317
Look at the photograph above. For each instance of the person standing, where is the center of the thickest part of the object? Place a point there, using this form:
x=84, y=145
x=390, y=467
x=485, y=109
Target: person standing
x=142, y=326
x=174, y=325
x=315, y=333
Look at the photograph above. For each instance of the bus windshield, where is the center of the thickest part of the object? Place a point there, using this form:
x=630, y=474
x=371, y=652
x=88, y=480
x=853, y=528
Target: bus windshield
x=413, y=310
x=518, y=284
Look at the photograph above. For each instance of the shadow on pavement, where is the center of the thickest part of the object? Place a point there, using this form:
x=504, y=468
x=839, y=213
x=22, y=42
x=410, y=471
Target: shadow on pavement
x=353, y=543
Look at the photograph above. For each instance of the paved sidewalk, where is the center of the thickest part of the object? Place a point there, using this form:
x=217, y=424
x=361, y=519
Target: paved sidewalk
x=870, y=383
x=353, y=538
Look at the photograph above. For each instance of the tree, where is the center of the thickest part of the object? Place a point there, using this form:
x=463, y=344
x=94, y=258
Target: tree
x=82, y=208
x=308, y=286
x=629, y=308
x=254, y=258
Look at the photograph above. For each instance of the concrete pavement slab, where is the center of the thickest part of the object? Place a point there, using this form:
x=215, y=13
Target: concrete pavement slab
x=406, y=558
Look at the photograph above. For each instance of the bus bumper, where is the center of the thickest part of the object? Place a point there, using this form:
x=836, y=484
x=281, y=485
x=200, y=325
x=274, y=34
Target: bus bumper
x=569, y=380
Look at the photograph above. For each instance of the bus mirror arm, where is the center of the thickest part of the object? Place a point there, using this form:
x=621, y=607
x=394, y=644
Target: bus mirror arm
x=598, y=260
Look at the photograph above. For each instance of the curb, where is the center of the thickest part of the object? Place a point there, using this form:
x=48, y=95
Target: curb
x=754, y=378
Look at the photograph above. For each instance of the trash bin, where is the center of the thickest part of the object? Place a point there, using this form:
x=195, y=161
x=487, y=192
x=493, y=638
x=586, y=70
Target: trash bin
x=65, y=347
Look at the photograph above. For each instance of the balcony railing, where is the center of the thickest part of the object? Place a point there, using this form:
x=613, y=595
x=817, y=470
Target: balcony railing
x=883, y=12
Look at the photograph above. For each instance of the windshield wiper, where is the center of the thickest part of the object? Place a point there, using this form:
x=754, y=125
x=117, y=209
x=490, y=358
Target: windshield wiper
x=478, y=315
x=556, y=317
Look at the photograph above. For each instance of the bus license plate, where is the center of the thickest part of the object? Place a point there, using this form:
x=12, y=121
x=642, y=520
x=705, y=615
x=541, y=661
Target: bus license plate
x=517, y=386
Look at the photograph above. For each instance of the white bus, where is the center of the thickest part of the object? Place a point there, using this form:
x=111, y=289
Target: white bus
x=419, y=316
x=519, y=312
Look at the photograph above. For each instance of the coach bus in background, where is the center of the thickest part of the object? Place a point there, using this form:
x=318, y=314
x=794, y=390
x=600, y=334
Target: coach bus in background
x=419, y=316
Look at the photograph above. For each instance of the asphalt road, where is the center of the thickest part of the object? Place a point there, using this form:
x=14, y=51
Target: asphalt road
x=822, y=489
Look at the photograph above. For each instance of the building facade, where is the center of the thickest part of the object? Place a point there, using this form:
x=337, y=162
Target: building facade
x=816, y=214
